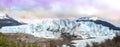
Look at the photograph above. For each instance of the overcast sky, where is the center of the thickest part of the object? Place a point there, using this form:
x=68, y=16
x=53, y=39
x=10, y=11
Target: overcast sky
x=108, y=9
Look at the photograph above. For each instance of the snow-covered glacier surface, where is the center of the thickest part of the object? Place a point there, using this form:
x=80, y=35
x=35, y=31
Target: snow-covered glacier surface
x=99, y=39
x=52, y=28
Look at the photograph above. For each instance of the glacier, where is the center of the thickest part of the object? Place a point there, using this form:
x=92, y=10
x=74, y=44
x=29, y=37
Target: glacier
x=81, y=28
x=84, y=27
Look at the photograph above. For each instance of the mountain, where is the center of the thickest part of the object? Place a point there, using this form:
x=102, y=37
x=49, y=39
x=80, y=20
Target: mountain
x=5, y=20
x=83, y=27
x=98, y=21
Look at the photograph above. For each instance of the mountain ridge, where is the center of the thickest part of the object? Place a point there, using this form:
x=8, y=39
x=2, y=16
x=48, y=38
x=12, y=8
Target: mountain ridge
x=6, y=20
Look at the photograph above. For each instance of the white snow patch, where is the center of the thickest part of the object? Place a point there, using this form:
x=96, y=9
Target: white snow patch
x=82, y=43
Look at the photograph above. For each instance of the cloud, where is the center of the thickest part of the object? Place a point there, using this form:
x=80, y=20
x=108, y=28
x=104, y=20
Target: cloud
x=37, y=9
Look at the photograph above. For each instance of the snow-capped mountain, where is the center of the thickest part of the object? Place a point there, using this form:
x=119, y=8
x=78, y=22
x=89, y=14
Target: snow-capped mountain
x=98, y=21
x=5, y=20
x=84, y=27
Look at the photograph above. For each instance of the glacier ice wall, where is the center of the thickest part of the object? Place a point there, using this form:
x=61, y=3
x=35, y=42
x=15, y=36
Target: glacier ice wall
x=52, y=28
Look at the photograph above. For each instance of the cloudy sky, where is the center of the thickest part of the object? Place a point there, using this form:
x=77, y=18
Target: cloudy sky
x=107, y=9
